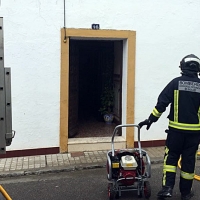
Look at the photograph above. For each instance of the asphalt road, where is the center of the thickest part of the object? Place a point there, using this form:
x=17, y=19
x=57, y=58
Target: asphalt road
x=88, y=184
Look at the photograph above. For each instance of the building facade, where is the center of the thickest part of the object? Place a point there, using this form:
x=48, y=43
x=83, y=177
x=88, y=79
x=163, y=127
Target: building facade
x=42, y=44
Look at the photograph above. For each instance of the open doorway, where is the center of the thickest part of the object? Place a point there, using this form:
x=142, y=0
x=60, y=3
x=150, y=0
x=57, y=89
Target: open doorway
x=127, y=104
x=91, y=63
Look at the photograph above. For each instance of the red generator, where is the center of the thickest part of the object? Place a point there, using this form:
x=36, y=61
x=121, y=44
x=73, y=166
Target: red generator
x=128, y=169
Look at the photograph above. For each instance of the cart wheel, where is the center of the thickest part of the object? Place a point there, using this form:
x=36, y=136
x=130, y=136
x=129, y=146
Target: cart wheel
x=147, y=189
x=111, y=192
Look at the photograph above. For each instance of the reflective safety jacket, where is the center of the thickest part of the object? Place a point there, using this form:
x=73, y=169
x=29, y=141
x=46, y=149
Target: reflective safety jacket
x=183, y=93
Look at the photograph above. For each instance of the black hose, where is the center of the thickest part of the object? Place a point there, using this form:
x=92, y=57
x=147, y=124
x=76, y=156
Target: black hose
x=65, y=37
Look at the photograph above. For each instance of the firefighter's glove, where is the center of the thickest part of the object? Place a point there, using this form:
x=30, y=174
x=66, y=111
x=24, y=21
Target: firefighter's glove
x=147, y=122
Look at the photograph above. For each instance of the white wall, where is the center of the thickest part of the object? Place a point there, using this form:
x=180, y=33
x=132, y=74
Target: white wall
x=166, y=31
x=32, y=50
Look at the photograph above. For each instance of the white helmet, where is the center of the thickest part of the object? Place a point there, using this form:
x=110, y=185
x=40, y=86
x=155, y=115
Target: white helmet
x=190, y=63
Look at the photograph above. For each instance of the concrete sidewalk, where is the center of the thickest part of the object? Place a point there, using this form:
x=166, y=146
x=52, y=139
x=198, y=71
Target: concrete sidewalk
x=29, y=165
x=54, y=163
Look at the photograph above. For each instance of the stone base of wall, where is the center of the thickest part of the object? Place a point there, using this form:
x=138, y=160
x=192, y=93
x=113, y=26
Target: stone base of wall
x=83, y=144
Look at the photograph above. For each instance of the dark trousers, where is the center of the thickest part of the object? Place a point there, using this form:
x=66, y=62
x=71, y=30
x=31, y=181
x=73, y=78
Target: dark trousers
x=184, y=145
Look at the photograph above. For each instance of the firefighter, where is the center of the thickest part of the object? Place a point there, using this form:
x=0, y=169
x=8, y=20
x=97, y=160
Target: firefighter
x=183, y=133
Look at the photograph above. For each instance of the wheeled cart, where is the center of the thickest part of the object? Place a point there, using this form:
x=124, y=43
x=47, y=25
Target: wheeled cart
x=128, y=169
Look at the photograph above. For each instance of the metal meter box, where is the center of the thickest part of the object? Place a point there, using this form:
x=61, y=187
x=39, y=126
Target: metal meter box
x=6, y=133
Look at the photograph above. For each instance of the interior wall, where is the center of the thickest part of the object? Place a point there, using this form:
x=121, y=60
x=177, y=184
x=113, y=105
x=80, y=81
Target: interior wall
x=94, y=56
x=124, y=84
x=117, y=79
x=90, y=78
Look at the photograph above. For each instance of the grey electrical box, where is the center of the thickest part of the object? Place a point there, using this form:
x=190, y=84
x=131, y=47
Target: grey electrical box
x=6, y=132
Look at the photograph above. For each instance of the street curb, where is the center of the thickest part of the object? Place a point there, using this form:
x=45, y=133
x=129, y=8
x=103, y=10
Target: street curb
x=48, y=170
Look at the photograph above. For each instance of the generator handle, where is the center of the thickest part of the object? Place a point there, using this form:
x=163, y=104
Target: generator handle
x=121, y=126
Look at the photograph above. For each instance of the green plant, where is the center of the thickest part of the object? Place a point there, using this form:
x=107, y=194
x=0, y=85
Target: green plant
x=107, y=100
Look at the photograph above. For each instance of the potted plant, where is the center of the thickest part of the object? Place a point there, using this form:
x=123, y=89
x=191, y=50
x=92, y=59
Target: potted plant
x=107, y=102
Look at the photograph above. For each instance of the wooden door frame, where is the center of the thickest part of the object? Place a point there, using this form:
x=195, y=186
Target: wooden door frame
x=130, y=36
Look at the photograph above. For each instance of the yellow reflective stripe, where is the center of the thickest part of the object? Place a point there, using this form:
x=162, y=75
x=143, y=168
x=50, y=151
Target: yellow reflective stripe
x=169, y=168
x=188, y=176
x=182, y=126
x=156, y=113
x=176, y=96
x=199, y=114
x=164, y=163
x=166, y=150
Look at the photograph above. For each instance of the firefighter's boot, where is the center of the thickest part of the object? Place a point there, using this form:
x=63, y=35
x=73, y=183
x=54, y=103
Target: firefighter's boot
x=165, y=192
x=188, y=196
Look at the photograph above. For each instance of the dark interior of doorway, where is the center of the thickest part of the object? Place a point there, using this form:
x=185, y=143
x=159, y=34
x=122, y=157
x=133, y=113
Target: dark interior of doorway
x=95, y=57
